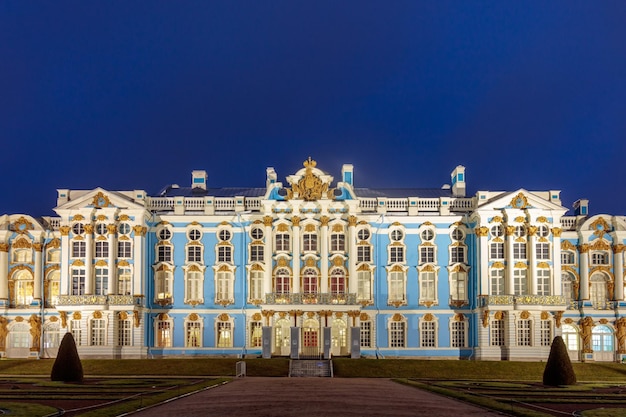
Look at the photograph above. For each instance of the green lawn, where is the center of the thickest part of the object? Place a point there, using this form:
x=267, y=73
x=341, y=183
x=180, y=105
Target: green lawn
x=343, y=367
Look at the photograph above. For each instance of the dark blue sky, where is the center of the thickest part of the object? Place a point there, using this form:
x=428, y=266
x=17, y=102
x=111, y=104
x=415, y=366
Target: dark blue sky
x=135, y=95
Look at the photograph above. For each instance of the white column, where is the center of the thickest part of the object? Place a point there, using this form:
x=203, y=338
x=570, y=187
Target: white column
x=89, y=259
x=324, y=253
x=483, y=251
x=556, y=262
x=112, y=281
x=618, y=271
x=65, y=261
x=532, y=261
x=510, y=237
x=295, y=233
x=584, y=271
x=267, y=254
x=38, y=272
x=352, y=283
x=4, y=272
x=138, y=272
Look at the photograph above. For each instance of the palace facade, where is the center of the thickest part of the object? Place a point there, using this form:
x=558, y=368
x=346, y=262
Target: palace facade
x=313, y=268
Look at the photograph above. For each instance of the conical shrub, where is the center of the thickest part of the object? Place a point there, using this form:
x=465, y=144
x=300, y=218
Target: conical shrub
x=67, y=366
x=559, y=370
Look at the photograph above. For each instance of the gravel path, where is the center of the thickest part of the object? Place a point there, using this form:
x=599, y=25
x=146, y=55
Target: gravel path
x=314, y=397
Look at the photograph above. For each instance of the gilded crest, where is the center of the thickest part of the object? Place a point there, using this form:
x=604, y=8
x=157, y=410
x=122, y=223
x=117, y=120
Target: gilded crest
x=101, y=200
x=22, y=225
x=519, y=201
x=310, y=187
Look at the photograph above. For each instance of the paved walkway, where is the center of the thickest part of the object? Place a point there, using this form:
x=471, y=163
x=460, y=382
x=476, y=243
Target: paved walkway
x=314, y=397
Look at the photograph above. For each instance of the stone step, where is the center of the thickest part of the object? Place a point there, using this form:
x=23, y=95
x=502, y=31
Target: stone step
x=311, y=368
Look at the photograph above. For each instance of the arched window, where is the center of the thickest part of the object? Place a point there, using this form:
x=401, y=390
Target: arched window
x=24, y=285
x=282, y=281
x=570, y=337
x=164, y=327
x=224, y=286
x=194, y=280
x=256, y=334
x=599, y=293
x=568, y=283
x=337, y=281
x=458, y=285
x=124, y=275
x=309, y=281
x=224, y=333
x=52, y=286
x=193, y=333
x=163, y=285
x=364, y=283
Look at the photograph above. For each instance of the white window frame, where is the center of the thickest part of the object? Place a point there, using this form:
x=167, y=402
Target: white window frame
x=397, y=334
x=497, y=284
x=544, y=281
x=520, y=281
x=496, y=332
x=428, y=333
x=193, y=333
x=524, y=332
x=224, y=286
x=97, y=332
x=396, y=285
x=428, y=283
x=164, y=333
x=224, y=333
x=458, y=333
x=124, y=249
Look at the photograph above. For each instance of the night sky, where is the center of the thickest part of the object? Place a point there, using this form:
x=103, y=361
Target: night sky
x=136, y=94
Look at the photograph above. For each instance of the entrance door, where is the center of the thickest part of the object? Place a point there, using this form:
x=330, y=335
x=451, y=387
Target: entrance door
x=282, y=337
x=310, y=339
x=339, y=336
x=602, y=341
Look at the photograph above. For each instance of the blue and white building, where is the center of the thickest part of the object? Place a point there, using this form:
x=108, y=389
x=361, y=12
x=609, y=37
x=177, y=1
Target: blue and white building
x=310, y=267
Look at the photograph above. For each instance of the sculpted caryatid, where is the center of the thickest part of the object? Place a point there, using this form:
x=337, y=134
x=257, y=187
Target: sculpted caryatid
x=35, y=331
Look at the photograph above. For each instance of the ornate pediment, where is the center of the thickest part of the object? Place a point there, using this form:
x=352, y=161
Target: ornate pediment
x=310, y=184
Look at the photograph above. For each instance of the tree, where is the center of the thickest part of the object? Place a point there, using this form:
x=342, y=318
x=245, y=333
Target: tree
x=67, y=366
x=559, y=370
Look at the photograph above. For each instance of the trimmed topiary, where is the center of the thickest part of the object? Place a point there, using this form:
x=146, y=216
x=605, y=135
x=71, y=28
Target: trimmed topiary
x=559, y=370
x=67, y=366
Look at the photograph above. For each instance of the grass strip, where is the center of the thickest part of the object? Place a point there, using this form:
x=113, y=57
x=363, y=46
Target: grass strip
x=480, y=401
x=148, y=399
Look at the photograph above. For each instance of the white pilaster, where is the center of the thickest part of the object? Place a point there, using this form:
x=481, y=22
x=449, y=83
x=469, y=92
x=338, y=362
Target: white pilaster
x=4, y=272
x=38, y=272
x=65, y=261
x=556, y=262
x=88, y=259
x=267, y=254
x=324, y=253
x=138, y=261
x=112, y=281
x=510, y=262
x=352, y=284
x=584, y=272
x=295, y=232
x=532, y=260
x=618, y=272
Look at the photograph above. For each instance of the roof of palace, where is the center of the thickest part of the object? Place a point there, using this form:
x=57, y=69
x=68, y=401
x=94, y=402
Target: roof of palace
x=170, y=191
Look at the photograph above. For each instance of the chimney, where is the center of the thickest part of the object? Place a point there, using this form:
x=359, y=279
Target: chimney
x=270, y=175
x=198, y=179
x=347, y=174
x=458, y=181
x=581, y=207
